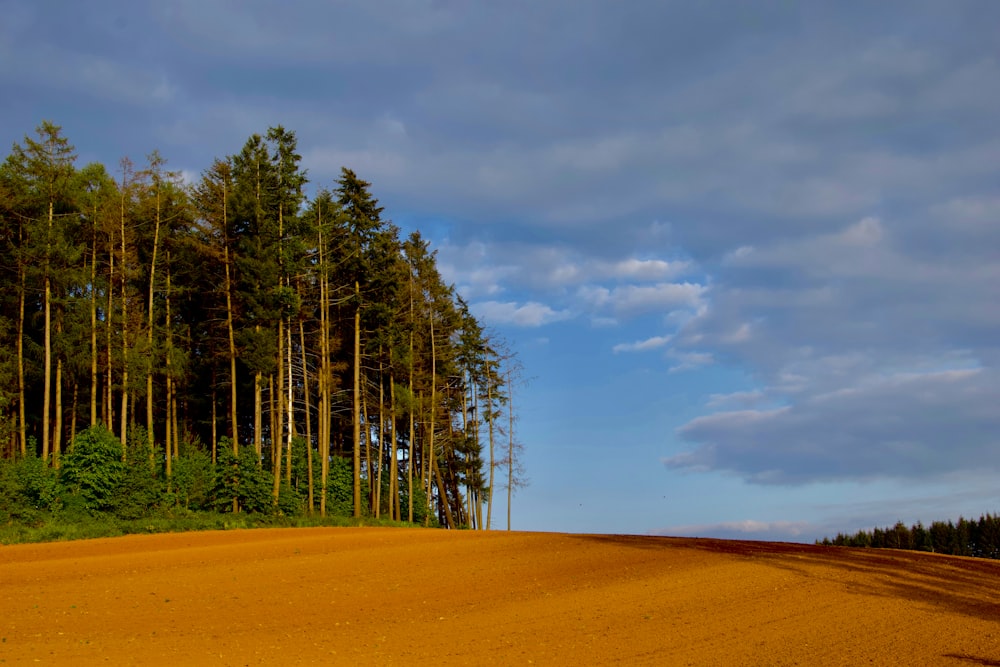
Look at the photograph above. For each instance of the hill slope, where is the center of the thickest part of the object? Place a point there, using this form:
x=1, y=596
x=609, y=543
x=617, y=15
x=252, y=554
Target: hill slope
x=404, y=597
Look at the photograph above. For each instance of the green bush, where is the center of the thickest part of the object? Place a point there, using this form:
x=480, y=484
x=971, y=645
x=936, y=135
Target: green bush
x=243, y=478
x=193, y=478
x=140, y=492
x=93, y=469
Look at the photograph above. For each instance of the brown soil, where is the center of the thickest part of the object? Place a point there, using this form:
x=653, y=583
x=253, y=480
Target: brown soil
x=405, y=597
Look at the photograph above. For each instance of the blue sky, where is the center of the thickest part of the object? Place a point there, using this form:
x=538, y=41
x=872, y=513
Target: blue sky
x=749, y=253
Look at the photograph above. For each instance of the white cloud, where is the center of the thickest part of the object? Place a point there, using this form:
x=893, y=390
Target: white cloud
x=530, y=314
x=687, y=361
x=642, y=345
x=745, y=529
x=902, y=425
x=634, y=299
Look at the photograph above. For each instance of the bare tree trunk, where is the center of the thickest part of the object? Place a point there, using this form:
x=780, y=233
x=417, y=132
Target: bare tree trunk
x=510, y=450
x=381, y=440
x=430, y=437
x=58, y=428
x=258, y=410
x=93, y=325
x=47, y=391
x=149, y=327
x=109, y=319
x=233, y=429
x=72, y=421
x=393, y=450
x=290, y=405
x=171, y=425
x=275, y=436
x=489, y=408
x=308, y=417
x=443, y=499
x=21, y=412
x=123, y=433
x=357, y=401
x=324, y=374
x=413, y=440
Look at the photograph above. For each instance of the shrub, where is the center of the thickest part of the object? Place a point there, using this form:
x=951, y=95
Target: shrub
x=93, y=468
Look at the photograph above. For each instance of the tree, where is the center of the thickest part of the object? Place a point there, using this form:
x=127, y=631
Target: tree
x=362, y=221
x=43, y=168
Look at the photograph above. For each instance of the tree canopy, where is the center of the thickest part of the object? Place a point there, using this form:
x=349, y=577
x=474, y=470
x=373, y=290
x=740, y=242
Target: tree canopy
x=288, y=341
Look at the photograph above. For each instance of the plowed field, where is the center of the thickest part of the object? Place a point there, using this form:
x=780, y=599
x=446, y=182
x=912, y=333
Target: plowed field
x=427, y=597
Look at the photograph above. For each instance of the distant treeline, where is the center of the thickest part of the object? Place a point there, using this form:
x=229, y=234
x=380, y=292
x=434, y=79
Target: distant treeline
x=963, y=538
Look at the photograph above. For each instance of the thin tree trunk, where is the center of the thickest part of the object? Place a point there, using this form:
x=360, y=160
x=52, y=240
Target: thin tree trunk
x=489, y=408
x=149, y=331
x=290, y=407
x=93, y=324
x=324, y=372
x=275, y=437
x=510, y=450
x=381, y=440
x=72, y=421
x=308, y=417
x=58, y=427
x=443, y=500
x=47, y=378
x=21, y=412
x=215, y=421
x=170, y=426
x=433, y=458
x=124, y=285
x=357, y=401
x=109, y=353
x=258, y=409
x=409, y=463
x=365, y=415
x=233, y=429
x=393, y=449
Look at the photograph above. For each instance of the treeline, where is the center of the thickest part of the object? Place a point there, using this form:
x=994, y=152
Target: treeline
x=964, y=538
x=236, y=317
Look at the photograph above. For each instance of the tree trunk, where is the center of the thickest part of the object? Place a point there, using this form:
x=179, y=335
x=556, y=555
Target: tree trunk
x=393, y=450
x=123, y=433
x=149, y=331
x=47, y=378
x=227, y=261
x=308, y=417
x=93, y=324
x=381, y=440
x=21, y=411
x=324, y=373
x=430, y=436
x=357, y=400
x=290, y=408
x=443, y=499
x=510, y=446
x=171, y=425
x=489, y=408
x=258, y=412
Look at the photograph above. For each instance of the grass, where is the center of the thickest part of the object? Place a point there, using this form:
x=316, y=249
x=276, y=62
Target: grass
x=62, y=528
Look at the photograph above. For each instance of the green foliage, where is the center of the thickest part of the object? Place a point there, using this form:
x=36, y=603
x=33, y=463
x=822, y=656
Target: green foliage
x=193, y=478
x=29, y=489
x=241, y=477
x=340, y=488
x=93, y=468
x=141, y=492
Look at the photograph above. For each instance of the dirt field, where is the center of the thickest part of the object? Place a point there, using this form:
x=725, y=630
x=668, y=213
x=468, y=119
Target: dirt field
x=406, y=597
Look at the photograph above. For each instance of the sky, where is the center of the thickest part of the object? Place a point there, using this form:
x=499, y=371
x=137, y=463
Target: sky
x=748, y=253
